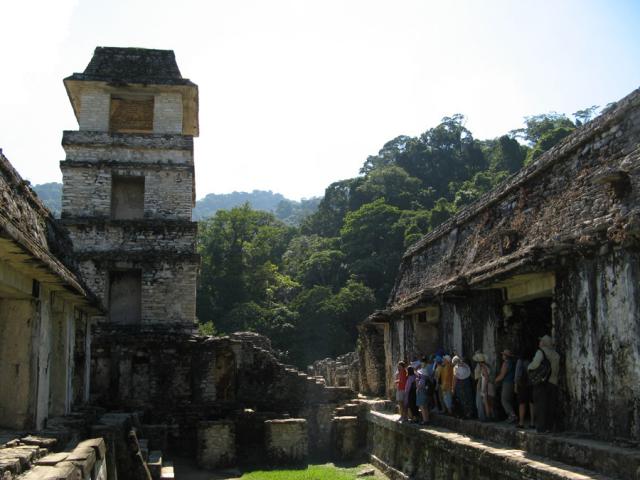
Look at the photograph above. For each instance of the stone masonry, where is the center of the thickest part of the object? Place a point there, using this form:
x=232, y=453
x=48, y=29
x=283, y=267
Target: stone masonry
x=129, y=185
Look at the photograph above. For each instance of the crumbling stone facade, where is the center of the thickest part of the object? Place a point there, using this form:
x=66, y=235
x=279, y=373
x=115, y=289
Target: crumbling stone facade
x=128, y=185
x=554, y=249
x=44, y=312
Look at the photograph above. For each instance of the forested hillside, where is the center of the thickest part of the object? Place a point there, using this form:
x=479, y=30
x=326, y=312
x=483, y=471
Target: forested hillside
x=290, y=212
x=307, y=288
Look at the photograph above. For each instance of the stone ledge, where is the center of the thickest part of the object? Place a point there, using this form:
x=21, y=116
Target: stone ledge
x=607, y=458
x=434, y=452
x=129, y=140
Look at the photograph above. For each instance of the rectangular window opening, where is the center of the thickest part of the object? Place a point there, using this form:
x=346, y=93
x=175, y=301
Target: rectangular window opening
x=127, y=198
x=125, y=296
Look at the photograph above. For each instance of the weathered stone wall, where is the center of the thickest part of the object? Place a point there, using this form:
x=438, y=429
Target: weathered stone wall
x=597, y=324
x=184, y=380
x=168, y=288
x=370, y=350
x=167, y=117
x=87, y=190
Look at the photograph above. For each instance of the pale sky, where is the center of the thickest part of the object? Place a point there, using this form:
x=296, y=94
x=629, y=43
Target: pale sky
x=295, y=94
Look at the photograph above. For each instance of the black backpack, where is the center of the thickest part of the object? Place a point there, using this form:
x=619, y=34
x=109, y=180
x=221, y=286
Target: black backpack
x=542, y=372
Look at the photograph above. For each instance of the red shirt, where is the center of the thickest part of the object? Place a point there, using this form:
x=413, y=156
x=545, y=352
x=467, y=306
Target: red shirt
x=402, y=379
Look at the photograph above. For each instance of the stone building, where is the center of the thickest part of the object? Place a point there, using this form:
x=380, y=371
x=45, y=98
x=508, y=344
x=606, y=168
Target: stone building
x=552, y=250
x=44, y=312
x=129, y=189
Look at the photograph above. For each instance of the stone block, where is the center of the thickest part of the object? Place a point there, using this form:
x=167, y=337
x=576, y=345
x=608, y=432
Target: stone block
x=216, y=444
x=84, y=458
x=97, y=444
x=345, y=437
x=286, y=441
x=155, y=464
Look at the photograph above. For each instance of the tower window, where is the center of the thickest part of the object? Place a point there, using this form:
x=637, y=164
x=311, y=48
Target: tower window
x=127, y=198
x=131, y=114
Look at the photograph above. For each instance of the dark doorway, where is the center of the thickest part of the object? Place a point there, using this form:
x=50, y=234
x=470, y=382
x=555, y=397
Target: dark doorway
x=125, y=296
x=528, y=322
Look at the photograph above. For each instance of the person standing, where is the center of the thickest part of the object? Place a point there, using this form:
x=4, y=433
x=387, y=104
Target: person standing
x=446, y=384
x=545, y=393
x=463, y=386
x=483, y=387
x=410, y=392
x=524, y=391
x=507, y=377
x=401, y=383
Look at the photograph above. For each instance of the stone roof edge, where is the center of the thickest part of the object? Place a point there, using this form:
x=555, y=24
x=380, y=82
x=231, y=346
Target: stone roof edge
x=544, y=162
x=24, y=240
x=85, y=77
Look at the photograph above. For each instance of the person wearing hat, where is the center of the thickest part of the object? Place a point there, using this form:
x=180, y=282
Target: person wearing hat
x=462, y=386
x=445, y=384
x=507, y=378
x=484, y=387
x=545, y=394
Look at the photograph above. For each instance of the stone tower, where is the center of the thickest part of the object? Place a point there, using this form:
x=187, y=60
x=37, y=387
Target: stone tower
x=129, y=185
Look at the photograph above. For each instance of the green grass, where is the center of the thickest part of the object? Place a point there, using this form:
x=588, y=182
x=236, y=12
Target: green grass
x=312, y=472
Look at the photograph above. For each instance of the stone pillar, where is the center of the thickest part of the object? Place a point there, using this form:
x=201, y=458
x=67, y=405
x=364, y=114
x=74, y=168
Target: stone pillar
x=345, y=437
x=216, y=444
x=286, y=441
x=17, y=368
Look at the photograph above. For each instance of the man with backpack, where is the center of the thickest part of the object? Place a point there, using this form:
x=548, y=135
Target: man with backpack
x=543, y=375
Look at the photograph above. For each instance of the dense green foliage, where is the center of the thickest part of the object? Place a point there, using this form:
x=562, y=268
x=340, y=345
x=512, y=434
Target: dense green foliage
x=308, y=287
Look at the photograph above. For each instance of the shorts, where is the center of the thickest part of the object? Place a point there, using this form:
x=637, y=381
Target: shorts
x=399, y=395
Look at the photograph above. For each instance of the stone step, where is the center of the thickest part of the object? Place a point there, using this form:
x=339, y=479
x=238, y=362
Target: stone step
x=155, y=464
x=607, y=458
x=442, y=443
x=167, y=471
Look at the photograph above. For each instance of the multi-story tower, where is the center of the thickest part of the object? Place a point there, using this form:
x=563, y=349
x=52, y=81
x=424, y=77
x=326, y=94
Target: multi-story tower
x=129, y=185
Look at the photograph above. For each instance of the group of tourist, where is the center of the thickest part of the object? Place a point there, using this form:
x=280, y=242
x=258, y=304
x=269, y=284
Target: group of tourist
x=442, y=383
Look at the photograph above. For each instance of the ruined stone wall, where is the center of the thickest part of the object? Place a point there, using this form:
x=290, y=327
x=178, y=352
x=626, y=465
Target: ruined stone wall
x=370, y=350
x=183, y=380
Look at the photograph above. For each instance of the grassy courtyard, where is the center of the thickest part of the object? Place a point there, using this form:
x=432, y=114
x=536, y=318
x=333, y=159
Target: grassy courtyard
x=312, y=472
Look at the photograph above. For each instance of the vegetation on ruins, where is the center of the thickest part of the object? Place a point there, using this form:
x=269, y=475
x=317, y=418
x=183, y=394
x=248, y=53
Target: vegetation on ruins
x=307, y=287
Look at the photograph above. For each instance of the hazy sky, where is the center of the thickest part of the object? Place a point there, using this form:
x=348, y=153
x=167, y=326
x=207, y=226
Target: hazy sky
x=295, y=94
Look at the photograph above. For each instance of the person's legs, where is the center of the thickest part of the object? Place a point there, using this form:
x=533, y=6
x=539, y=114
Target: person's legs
x=552, y=396
x=507, y=400
x=540, y=402
x=532, y=416
x=448, y=402
x=522, y=407
x=480, y=406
